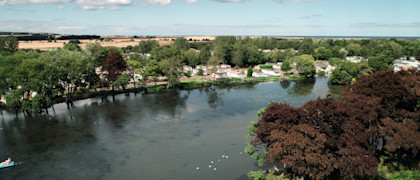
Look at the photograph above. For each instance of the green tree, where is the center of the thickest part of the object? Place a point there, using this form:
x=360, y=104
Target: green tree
x=114, y=50
x=152, y=69
x=181, y=43
x=204, y=55
x=287, y=65
x=238, y=58
x=72, y=47
x=97, y=52
x=191, y=57
x=122, y=81
x=305, y=64
x=10, y=44
x=353, y=49
x=307, y=46
x=380, y=63
x=250, y=71
x=146, y=46
x=164, y=52
x=172, y=70
x=343, y=53
x=322, y=53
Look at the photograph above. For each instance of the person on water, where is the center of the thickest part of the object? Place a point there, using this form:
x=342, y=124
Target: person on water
x=7, y=162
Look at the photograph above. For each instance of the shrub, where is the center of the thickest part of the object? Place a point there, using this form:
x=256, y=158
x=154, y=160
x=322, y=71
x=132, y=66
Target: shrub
x=200, y=72
x=329, y=139
x=249, y=73
x=321, y=73
x=266, y=66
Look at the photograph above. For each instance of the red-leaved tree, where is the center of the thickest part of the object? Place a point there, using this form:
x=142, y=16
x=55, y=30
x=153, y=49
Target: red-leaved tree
x=328, y=138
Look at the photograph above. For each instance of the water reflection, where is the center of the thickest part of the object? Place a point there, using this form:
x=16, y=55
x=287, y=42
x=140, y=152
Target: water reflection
x=163, y=135
x=285, y=84
x=335, y=90
x=302, y=87
x=168, y=101
x=214, y=97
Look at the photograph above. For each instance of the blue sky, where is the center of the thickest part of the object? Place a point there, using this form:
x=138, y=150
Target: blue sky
x=213, y=17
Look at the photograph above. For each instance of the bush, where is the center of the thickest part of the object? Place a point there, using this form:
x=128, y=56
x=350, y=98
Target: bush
x=405, y=175
x=200, y=72
x=256, y=175
x=321, y=73
x=330, y=139
x=266, y=66
x=249, y=73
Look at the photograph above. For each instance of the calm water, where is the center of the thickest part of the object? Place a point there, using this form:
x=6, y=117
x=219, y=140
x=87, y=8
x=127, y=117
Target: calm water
x=149, y=136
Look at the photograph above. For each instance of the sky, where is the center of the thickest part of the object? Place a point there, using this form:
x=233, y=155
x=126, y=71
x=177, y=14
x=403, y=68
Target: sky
x=213, y=17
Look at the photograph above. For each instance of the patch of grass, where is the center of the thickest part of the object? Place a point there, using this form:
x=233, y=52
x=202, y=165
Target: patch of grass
x=155, y=89
x=197, y=83
x=266, y=66
x=295, y=77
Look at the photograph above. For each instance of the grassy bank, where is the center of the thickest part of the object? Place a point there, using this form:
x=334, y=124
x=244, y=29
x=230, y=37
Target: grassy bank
x=197, y=83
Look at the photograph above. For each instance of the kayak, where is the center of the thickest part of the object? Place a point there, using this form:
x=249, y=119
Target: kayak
x=8, y=165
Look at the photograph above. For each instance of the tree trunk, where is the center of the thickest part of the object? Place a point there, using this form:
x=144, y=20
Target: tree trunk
x=53, y=108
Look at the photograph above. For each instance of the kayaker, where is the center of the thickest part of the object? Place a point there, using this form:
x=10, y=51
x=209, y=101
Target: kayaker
x=7, y=162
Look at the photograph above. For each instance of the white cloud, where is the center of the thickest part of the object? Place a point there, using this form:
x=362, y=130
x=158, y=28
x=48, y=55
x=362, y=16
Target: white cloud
x=101, y=4
x=229, y=1
x=283, y=1
x=311, y=16
x=21, y=2
x=76, y=28
x=191, y=1
x=84, y=4
x=161, y=2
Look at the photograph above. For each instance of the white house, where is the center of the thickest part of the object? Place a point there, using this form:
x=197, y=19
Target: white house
x=277, y=66
x=204, y=68
x=259, y=74
x=218, y=75
x=355, y=59
x=234, y=74
x=400, y=64
x=271, y=72
x=223, y=70
x=185, y=69
x=225, y=66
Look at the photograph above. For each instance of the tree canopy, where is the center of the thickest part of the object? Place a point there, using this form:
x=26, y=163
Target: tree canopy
x=376, y=117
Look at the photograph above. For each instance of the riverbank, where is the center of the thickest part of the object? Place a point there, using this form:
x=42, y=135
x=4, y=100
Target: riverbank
x=191, y=83
x=197, y=83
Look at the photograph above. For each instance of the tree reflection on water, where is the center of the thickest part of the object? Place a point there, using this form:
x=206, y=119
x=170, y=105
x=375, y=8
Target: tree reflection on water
x=213, y=97
x=302, y=87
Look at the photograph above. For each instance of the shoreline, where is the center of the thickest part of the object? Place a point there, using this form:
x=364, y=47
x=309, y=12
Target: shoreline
x=183, y=85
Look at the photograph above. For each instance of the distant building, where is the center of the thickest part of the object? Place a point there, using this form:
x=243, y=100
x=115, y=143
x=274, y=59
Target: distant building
x=400, y=64
x=259, y=74
x=271, y=72
x=277, y=66
x=355, y=59
x=234, y=74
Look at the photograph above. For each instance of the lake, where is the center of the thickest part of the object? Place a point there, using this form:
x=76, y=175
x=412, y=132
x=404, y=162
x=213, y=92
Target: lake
x=164, y=135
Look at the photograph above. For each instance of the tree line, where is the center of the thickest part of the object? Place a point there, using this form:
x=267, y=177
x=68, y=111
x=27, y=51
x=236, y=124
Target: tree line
x=58, y=73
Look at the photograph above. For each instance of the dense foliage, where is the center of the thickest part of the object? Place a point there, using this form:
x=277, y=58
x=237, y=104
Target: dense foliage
x=63, y=71
x=376, y=117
